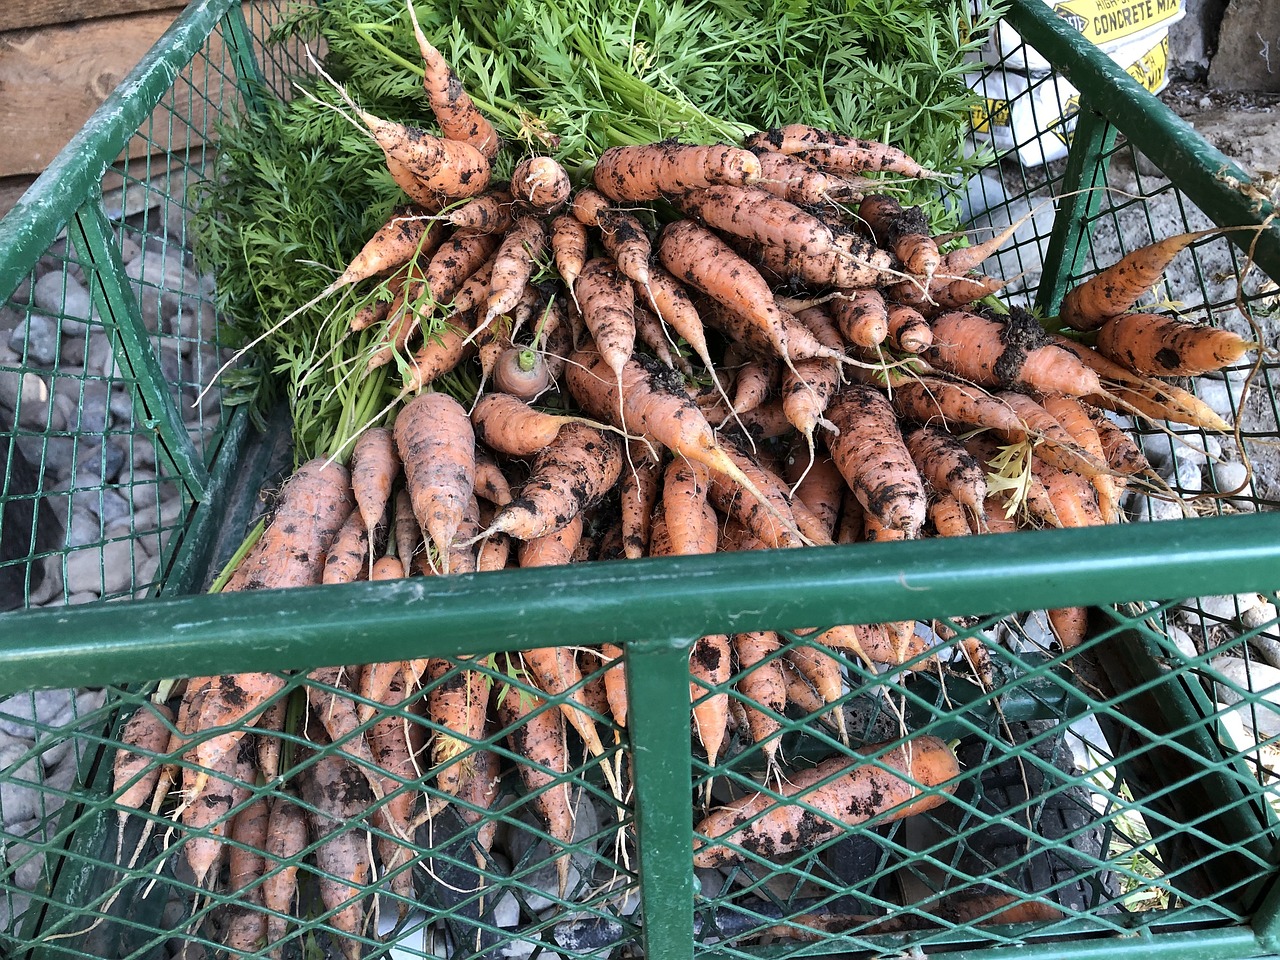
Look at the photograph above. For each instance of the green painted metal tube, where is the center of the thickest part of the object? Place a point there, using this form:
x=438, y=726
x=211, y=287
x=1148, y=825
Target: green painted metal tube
x=75, y=174
x=641, y=602
x=1204, y=174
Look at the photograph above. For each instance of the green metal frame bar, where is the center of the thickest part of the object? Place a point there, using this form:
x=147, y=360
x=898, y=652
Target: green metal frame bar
x=636, y=602
x=75, y=174
x=1207, y=177
x=239, y=41
x=658, y=723
x=118, y=307
x=1080, y=200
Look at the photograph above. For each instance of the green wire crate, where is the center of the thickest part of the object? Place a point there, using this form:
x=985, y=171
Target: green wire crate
x=1117, y=797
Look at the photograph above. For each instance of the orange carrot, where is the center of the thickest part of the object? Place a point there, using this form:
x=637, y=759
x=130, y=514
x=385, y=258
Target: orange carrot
x=671, y=301
x=763, y=688
x=536, y=734
x=864, y=154
x=638, y=492
x=873, y=458
x=489, y=212
x=1121, y=453
x=450, y=168
x=818, y=486
x=648, y=171
x=345, y=561
x=246, y=857
x=458, y=259
x=1074, y=498
x=948, y=466
x=313, y=505
x=862, y=316
x=758, y=216
x=909, y=332
x=374, y=468
x=437, y=446
x=458, y=705
x=438, y=355
x=568, y=247
x=689, y=521
x=608, y=308
x=933, y=400
x=710, y=666
x=540, y=185
x=454, y=111
x=948, y=516
x=551, y=549
x=905, y=231
x=207, y=804
x=1070, y=625
x=1015, y=353
x=1057, y=446
x=1073, y=416
x=852, y=262
x=570, y=474
x=1155, y=346
x=772, y=527
x=1116, y=289
x=589, y=206
x=286, y=839
x=800, y=182
x=822, y=671
x=406, y=531
x=754, y=382
x=396, y=744
x=857, y=792
x=625, y=239
x=521, y=249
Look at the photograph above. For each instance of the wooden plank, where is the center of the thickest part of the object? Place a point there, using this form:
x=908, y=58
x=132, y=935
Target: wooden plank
x=54, y=78
x=24, y=14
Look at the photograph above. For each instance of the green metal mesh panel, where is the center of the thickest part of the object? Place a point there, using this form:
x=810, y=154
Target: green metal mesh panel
x=1122, y=788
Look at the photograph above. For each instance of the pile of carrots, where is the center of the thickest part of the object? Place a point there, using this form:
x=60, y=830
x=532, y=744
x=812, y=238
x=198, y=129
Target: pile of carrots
x=789, y=359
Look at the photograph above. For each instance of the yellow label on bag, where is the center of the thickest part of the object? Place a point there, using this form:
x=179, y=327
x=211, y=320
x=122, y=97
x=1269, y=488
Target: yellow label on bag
x=1106, y=21
x=989, y=113
x=1152, y=68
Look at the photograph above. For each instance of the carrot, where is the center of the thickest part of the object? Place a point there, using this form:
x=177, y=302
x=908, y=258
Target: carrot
x=510, y=426
x=754, y=383
x=429, y=200
x=453, y=109
x=338, y=714
x=372, y=313
x=1056, y=446
x=763, y=688
x=1116, y=289
x=437, y=446
x=536, y=734
x=339, y=797
x=873, y=531
x=458, y=259
x=909, y=332
x=648, y=171
x=818, y=486
x=135, y=775
x=802, y=183
x=1155, y=399
x=689, y=521
x=488, y=212
x=206, y=809
x=608, y=308
x=457, y=705
x=396, y=744
x=246, y=859
x=772, y=527
x=862, y=156
x=651, y=333
x=448, y=168
x=374, y=468
x=463, y=552
x=1016, y=353
x=346, y=559
x=522, y=372
x=801, y=138
x=625, y=239
x=873, y=458
x=806, y=392
x=822, y=671
x=285, y=841
x=551, y=549
x=948, y=466
x=568, y=247
x=758, y=216
x=1035, y=498
x=1073, y=416
x=874, y=643
x=570, y=474
x=638, y=492
x=1070, y=625
x=540, y=185
x=491, y=482
x=948, y=516
x=654, y=407
x=1155, y=346
x=406, y=531
x=905, y=231
x=862, y=316
x=437, y=356
x=945, y=292
x=267, y=742
x=313, y=505
x=1073, y=497
x=710, y=666
x=671, y=302
x=589, y=206
x=852, y=262
x=476, y=799
x=931, y=399
x=1120, y=452
x=521, y=249
x=857, y=791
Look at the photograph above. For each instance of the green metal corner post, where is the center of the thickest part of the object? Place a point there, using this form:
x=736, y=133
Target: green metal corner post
x=658, y=725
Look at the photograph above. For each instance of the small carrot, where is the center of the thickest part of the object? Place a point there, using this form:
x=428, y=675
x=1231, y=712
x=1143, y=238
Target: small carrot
x=1116, y=289
x=491, y=482
x=763, y=689
x=625, y=239
x=1056, y=446
x=345, y=561
x=437, y=447
x=454, y=110
x=818, y=486
x=286, y=839
x=822, y=671
x=329, y=696
x=909, y=332
x=1155, y=346
x=1121, y=453
x=406, y=531
x=570, y=474
x=873, y=458
x=516, y=258
x=946, y=402
x=905, y=231
x=758, y=216
x=540, y=185
x=948, y=466
x=710, y=666
x=638, y=492
x=1070, y=625
x=488, y=212
x=853, y=791
x=552, y=549
x=948, y=516
x=589, y=206
x=457, y=704
x=755, y=382
x=1013, y=353
x=802, y=183
x=608, y=307
x=648, y=171
x=1074, y=417
x=866, y=154
x=374, y=468
x=862, y=316
x=569, y=246
x=438, y=355
x=671, y=302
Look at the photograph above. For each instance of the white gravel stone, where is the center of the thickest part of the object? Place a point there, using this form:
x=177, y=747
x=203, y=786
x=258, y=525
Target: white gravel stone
x=1161, y=449
x=61, y=295
x=1260, y=616
x=1229, y=476
x=87, y=596
x=20, y=782
x=1218, y=608
x=1188, y=476
x=105, y=570
x=28, y=394
x=1217, y=395
x=20, y=712
x=160, y=277
x=36, y=338
x=1149, y=508
x=1182, y=640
